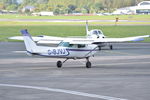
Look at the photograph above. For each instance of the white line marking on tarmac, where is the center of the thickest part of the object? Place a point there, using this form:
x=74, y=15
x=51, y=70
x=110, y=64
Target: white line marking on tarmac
x=63, y=91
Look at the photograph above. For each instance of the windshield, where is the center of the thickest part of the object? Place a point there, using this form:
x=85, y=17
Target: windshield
x=99, y=32
x=96, y=32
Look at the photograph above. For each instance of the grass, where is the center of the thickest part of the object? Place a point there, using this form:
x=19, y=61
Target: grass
x=9, y=23
x=141, y=20
x=12, y=28
x=73, y=30
x=121, y=17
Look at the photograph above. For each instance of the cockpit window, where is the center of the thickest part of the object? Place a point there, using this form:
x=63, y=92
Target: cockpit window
x=65, y=44
x=99, y=32
x=96, y=32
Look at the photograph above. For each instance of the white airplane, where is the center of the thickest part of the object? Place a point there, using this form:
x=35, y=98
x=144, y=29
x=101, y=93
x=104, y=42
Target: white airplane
x=94, y=34
x=70, y=49
x=43, y=39
x=66, y=49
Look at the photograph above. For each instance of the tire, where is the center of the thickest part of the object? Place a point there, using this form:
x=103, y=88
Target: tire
x=88, y=64
x=111, y=47
x=99, y=47
x=59, y=64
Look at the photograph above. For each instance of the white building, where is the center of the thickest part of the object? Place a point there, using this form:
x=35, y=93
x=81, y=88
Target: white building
x=43, y=13
x=30, y=8
x=141, y=8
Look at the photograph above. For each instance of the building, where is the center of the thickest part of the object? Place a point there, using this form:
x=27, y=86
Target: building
x=29, y=8
x=46, y=13
x=43, y=13
x=141, y=8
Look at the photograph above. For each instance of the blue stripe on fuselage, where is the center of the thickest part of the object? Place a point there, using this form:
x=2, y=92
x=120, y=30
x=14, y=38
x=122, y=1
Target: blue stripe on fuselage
x=81, y=50
x=63, y=56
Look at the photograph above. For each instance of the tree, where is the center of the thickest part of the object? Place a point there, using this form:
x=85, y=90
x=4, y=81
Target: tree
x=98, y=7
x=27, y=11
x=86, y=9
x=60, y=9
x=72, y=8
x=1, y=6
x=56, y=11
x=12, y=7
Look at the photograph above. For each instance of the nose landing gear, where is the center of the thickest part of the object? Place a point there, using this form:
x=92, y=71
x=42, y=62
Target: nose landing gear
x=59, y=63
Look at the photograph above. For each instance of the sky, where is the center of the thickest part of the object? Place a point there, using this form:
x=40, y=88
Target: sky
x=19, y=1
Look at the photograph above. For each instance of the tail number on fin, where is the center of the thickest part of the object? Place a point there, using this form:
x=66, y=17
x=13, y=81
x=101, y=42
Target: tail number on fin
x=58, y=52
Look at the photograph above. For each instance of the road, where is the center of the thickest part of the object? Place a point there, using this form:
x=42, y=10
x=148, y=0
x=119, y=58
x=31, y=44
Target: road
x=68, y=20
x=119, y=74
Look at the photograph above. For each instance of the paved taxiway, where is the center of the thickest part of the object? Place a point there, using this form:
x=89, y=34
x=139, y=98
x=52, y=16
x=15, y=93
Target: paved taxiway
x=119, y=74
x=67, y=20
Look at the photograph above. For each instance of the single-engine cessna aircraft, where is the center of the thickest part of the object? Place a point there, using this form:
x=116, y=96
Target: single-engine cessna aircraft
x=70, y=49
x=94, y=34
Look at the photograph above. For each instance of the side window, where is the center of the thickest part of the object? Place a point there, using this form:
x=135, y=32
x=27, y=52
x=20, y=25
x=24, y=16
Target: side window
x=70, y=45
x=99, y=32
x=66, y=44
x=81, y=45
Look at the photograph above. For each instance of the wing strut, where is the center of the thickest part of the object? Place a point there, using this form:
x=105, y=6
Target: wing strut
x=91, y=51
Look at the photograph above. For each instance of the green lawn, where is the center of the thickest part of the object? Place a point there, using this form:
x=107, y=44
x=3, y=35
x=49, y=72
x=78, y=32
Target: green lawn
x=112, y=17
x=74, y=30
x=141, y=20
x=9, y=23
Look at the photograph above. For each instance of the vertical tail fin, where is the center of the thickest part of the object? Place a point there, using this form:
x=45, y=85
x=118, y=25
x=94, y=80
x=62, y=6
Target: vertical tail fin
x=87, y=30
x=29, y=43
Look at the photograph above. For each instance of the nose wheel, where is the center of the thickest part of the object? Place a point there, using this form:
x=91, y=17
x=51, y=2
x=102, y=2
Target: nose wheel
x=59, y=64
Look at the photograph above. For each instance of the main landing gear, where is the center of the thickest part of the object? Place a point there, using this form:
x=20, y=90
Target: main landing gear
x=111, y=47
x=88, y=63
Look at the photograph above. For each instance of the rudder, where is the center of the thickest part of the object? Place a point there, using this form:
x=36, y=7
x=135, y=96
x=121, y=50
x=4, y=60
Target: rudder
x=29, y=43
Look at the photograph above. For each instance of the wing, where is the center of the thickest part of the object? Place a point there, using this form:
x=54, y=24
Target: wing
x=127, y=39
x=50, y=40
x=42, y=39
x=35, y=38
x=57, y=40
x=107, y=40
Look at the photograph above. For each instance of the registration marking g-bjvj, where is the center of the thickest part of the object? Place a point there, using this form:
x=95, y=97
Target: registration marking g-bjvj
x=58, y=52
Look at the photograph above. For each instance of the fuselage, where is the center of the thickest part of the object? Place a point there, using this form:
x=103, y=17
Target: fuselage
x=71, y=51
